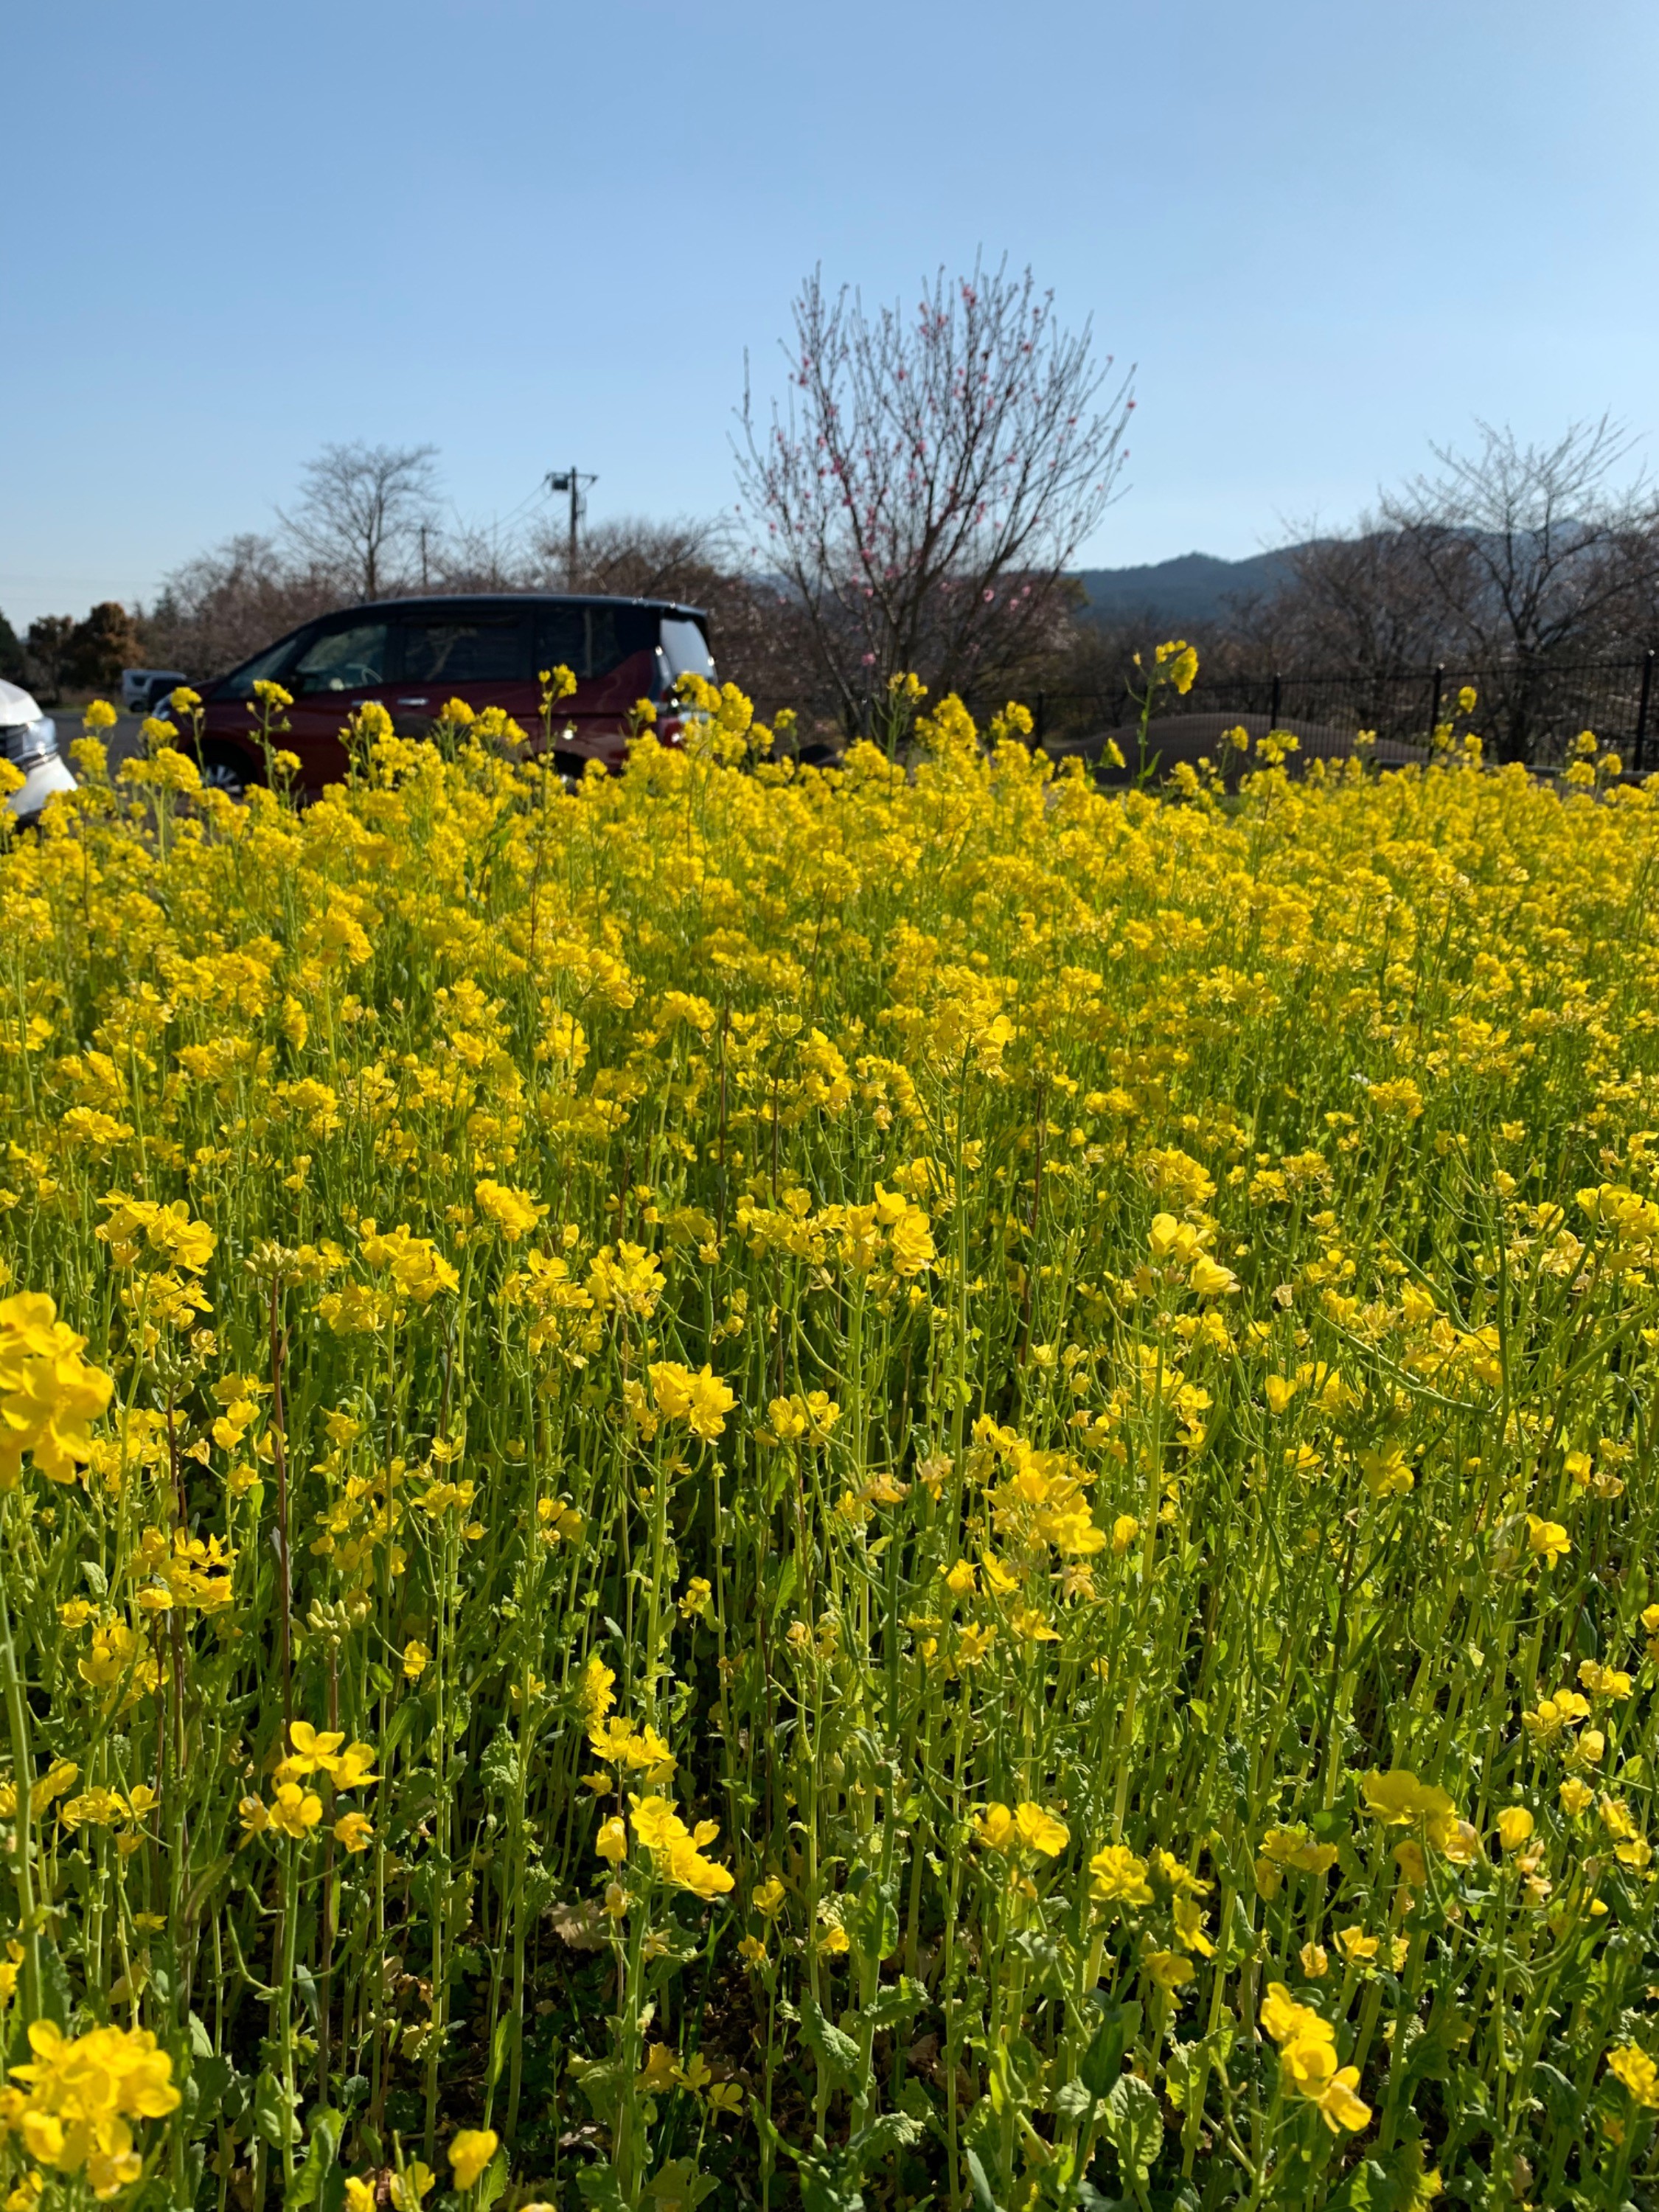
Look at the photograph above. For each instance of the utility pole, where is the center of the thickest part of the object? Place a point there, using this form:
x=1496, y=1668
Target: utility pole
x=571, y=480
x=423, y=574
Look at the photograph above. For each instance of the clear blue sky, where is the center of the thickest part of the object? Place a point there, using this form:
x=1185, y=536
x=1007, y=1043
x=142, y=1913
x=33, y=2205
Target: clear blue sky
x=1327, y=231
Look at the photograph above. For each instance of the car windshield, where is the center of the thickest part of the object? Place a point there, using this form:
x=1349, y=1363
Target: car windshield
x=342, y=660
x=262, y=668
x=686, y=648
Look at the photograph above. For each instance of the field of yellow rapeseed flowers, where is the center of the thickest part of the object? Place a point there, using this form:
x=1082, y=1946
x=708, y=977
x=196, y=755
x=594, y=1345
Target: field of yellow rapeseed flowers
x=758, y=1485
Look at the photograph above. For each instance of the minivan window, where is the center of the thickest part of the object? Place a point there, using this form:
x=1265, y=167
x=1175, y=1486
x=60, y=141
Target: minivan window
x=561, y=639
x=342, y=660
x=264, y=668
x=685, y=648
x=615, y=634
x=465, y=648
x=591, y=641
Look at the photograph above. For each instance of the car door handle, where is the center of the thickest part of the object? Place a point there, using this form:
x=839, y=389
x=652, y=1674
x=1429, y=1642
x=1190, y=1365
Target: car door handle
x=413, y=702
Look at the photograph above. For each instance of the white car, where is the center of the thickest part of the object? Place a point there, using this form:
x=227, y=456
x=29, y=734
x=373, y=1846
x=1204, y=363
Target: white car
x=29, y=739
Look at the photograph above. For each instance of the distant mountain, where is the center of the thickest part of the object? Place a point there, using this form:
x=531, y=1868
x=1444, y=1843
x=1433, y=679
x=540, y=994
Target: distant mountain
x=1193, y=588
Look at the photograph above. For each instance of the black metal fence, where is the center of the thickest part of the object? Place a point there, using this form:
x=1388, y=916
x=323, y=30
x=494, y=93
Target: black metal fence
x=1529, y=712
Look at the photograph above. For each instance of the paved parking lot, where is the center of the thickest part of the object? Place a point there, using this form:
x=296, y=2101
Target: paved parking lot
x=123, y=740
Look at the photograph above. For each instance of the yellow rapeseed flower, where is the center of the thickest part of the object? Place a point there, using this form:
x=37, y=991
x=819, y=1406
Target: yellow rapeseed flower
x=1631, y=2066
x=469, y=2152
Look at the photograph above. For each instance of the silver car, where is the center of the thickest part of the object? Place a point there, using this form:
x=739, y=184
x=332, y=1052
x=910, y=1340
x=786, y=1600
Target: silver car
x=28, y=740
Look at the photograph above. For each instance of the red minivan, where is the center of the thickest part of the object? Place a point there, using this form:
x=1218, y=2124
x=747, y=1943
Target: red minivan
x=487, y=648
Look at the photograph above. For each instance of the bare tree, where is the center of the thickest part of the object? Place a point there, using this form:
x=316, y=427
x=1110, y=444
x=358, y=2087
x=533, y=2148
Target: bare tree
x=1528, y=547
x=929, y=480
x=227, y=605
x=1364, y=603
x=477, y=556
x=361, y=512
x=1506, y=566
x=688, y=558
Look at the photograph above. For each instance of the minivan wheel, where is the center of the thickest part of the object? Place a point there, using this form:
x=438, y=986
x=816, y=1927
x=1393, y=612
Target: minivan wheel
x=223, y=769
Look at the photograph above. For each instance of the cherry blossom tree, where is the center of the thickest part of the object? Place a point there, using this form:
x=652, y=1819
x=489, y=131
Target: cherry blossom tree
x=929, y=478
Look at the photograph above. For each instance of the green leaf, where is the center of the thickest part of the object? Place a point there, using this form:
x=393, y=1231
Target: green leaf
x=237, y=2101
x=887, y=2131
x=1237, y=1936
x=831, y=2180
x=872, y=1920
x=786, y=1580
x=75, y=1869
x=1388, y=2181
x=678, y=2183
x=1103, y=2063
x=274, y=2117
x=57, y=1998
x=894, y=2001
x=501, y=2043
x=1429, y=2056
x=981, y=2185
x=1134, y=2127
x=834, y=2050
x=403, y=1718
x=1178, y=2072
x=1358, y=2192
x=326, y=2128
x=600, y=2188
x=1560, y=2096
x=825, y=2186
x=204, y=1884
x=1042, y=1955
x=1003, y=2082
x=207, y=2087
x=1072, y=2101
x=498, y=1769
x=492, y=2181
x=600, y=2082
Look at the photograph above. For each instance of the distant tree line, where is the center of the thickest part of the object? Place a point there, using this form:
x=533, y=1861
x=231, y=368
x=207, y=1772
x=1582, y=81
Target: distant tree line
x=57, y=654
x=1522, y=555
x=918, y=502
x=1515, y=560
x=916, y=505
x=368, y=524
